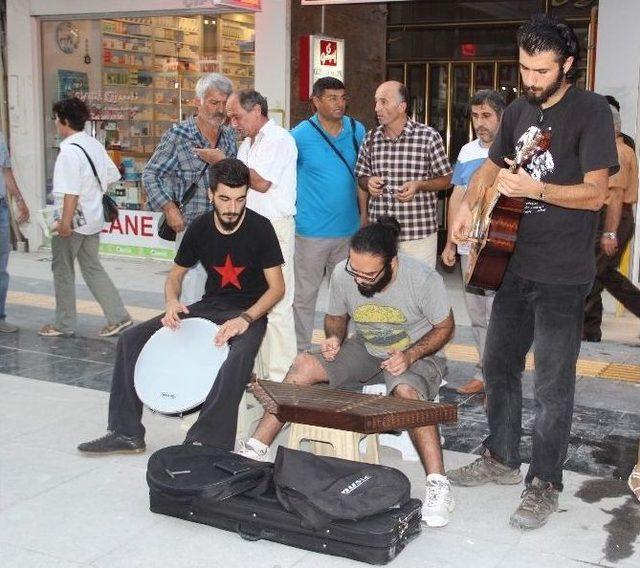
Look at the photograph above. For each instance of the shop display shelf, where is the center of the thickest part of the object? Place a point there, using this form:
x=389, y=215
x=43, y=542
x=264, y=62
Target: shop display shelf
x=145, y=51
x=136, y=36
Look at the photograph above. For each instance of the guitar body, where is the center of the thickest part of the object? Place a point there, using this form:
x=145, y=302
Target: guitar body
x=490, y=254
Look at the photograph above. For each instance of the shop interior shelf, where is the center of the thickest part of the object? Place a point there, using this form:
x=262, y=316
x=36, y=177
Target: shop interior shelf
x=145, y=51
x=137, y=36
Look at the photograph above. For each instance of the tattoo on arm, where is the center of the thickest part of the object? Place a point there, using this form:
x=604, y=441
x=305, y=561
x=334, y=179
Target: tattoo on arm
x=432, y=341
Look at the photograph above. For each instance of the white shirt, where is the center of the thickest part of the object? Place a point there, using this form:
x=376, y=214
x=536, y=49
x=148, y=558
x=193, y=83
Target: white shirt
x=273, y=156
x=72, y=175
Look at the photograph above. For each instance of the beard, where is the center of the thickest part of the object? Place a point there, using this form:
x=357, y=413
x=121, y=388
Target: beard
x=368, y=290
x=545, y=94
x=228, y=221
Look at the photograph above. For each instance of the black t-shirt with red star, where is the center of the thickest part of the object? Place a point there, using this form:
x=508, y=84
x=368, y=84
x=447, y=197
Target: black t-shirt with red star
x=235, y=262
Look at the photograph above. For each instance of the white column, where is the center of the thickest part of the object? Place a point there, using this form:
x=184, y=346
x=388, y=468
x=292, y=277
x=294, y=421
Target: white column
x=273, y=54
x=618, y=74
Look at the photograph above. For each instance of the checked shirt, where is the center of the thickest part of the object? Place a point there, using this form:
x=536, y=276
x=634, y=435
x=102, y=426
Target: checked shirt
x=417, y=154
x=174, y=167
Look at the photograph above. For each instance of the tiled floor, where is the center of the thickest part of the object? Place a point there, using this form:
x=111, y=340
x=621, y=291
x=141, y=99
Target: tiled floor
x=58, y=508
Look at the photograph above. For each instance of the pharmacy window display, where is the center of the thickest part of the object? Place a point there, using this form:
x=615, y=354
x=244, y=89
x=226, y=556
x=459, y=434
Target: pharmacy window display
x=137, y=76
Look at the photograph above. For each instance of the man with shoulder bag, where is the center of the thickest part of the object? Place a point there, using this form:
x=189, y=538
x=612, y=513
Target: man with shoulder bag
x=176, y=176
x=82, y=170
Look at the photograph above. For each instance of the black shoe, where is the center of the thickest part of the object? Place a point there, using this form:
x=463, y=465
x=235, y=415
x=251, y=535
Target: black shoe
x=112, y=443
x=591, y=337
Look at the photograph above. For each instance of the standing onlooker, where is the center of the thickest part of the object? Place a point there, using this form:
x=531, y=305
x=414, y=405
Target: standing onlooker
x=270, y=153
x=327, y=207
x=401, y=166
x=7, y=183
x=616, y=228
x=486, y=112
x=79, y=193
x=182, y=159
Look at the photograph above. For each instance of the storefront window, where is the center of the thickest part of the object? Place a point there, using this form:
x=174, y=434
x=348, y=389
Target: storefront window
x=138, y=75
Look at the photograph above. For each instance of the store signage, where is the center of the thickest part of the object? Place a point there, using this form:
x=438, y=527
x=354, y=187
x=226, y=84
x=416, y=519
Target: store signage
x=242, y=4
x=134, y=234
x=319, y=57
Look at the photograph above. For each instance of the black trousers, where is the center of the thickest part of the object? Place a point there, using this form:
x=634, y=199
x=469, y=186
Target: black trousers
x=216, y=425
x=550, y=317
x=609, y=277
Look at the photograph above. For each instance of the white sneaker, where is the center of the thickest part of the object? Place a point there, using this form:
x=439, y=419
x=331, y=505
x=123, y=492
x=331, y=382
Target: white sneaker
x=254, y=450
x=438, y=501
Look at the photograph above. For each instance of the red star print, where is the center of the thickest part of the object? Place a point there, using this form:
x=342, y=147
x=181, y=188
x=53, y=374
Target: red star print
x=229, y=273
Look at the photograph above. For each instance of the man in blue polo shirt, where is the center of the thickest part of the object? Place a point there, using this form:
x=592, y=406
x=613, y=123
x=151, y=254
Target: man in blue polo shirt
x=327, y=208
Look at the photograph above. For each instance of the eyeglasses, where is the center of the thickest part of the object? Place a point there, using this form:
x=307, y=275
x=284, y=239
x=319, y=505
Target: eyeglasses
x=364, y=277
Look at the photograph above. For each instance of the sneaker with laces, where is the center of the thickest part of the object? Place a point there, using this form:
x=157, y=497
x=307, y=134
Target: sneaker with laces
x=7, y=327
x=114, y=328
x=438, y=501
x=254, y=449
x=112, y=443
x=484, y=470
x=539, y=500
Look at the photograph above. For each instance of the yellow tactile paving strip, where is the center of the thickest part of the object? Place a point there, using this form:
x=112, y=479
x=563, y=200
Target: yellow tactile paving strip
x=86, y=307
x=454, y=351
x=585, y=367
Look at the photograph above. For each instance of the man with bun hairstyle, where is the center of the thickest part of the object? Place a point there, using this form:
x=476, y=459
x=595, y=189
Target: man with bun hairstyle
x=402, y=317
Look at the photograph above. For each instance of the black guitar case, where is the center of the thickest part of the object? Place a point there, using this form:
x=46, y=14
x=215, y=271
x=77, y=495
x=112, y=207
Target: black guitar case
x=245, y=502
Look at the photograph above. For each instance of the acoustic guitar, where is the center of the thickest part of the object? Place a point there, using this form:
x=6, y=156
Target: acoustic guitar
x=495, y=223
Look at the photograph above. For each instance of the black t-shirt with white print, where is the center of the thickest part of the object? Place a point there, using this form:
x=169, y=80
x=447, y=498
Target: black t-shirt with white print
x=556, y=244
x=235, y=262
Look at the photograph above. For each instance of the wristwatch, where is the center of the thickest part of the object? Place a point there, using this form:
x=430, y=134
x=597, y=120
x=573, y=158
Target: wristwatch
x=610, y=236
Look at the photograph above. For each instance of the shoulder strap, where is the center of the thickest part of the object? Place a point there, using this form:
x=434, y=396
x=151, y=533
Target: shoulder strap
x=353, y=135
x=332, y=146
x=192, y=188
x=93, y=168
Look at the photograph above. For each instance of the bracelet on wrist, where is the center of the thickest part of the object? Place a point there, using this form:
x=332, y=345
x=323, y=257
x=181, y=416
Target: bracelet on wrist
x=609, y=236
x=543, y=191
x=246, y=317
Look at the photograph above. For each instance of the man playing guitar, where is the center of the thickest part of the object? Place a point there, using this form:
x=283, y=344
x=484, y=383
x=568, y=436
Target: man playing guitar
x=541, y=298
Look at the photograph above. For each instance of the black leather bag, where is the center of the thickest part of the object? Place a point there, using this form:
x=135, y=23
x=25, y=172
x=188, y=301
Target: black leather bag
x=110, y=208
x=164, y=230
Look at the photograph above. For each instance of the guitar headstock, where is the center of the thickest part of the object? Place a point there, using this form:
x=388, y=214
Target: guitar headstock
x=537, y=144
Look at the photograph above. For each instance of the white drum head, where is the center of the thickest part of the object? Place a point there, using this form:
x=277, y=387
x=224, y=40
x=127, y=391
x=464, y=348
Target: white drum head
x=176, y=369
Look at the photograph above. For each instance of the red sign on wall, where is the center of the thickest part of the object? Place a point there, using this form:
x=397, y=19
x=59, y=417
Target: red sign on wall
x=319, y=57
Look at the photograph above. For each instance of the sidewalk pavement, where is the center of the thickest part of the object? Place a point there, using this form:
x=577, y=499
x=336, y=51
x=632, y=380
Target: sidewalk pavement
x=61, y=509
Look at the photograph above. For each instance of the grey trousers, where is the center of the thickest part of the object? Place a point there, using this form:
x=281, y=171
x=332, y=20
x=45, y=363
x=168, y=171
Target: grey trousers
x=479, y=310
x=313, y=258
x=84, y=248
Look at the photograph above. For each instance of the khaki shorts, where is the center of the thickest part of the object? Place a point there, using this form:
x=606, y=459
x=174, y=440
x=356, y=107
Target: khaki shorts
x=354, y=362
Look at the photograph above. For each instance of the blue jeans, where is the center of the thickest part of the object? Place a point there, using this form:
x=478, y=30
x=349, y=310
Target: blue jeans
x=5, y=247
x=550, y=316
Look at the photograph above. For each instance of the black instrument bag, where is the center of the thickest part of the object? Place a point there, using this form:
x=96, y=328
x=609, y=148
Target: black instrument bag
x=257, y=513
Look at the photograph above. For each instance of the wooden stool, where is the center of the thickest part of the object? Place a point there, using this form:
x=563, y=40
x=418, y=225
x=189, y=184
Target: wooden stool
x=345, y=444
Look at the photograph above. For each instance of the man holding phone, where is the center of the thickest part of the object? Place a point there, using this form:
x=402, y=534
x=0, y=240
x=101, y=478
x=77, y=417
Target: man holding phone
x=401, y=166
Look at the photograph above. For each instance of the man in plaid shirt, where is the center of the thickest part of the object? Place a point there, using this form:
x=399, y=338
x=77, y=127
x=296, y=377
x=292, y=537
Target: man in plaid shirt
x=185, y=151
x=401, y=166
x=182, y=158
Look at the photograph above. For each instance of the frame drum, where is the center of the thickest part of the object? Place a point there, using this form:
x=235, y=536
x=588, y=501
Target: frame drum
x=176, y=369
